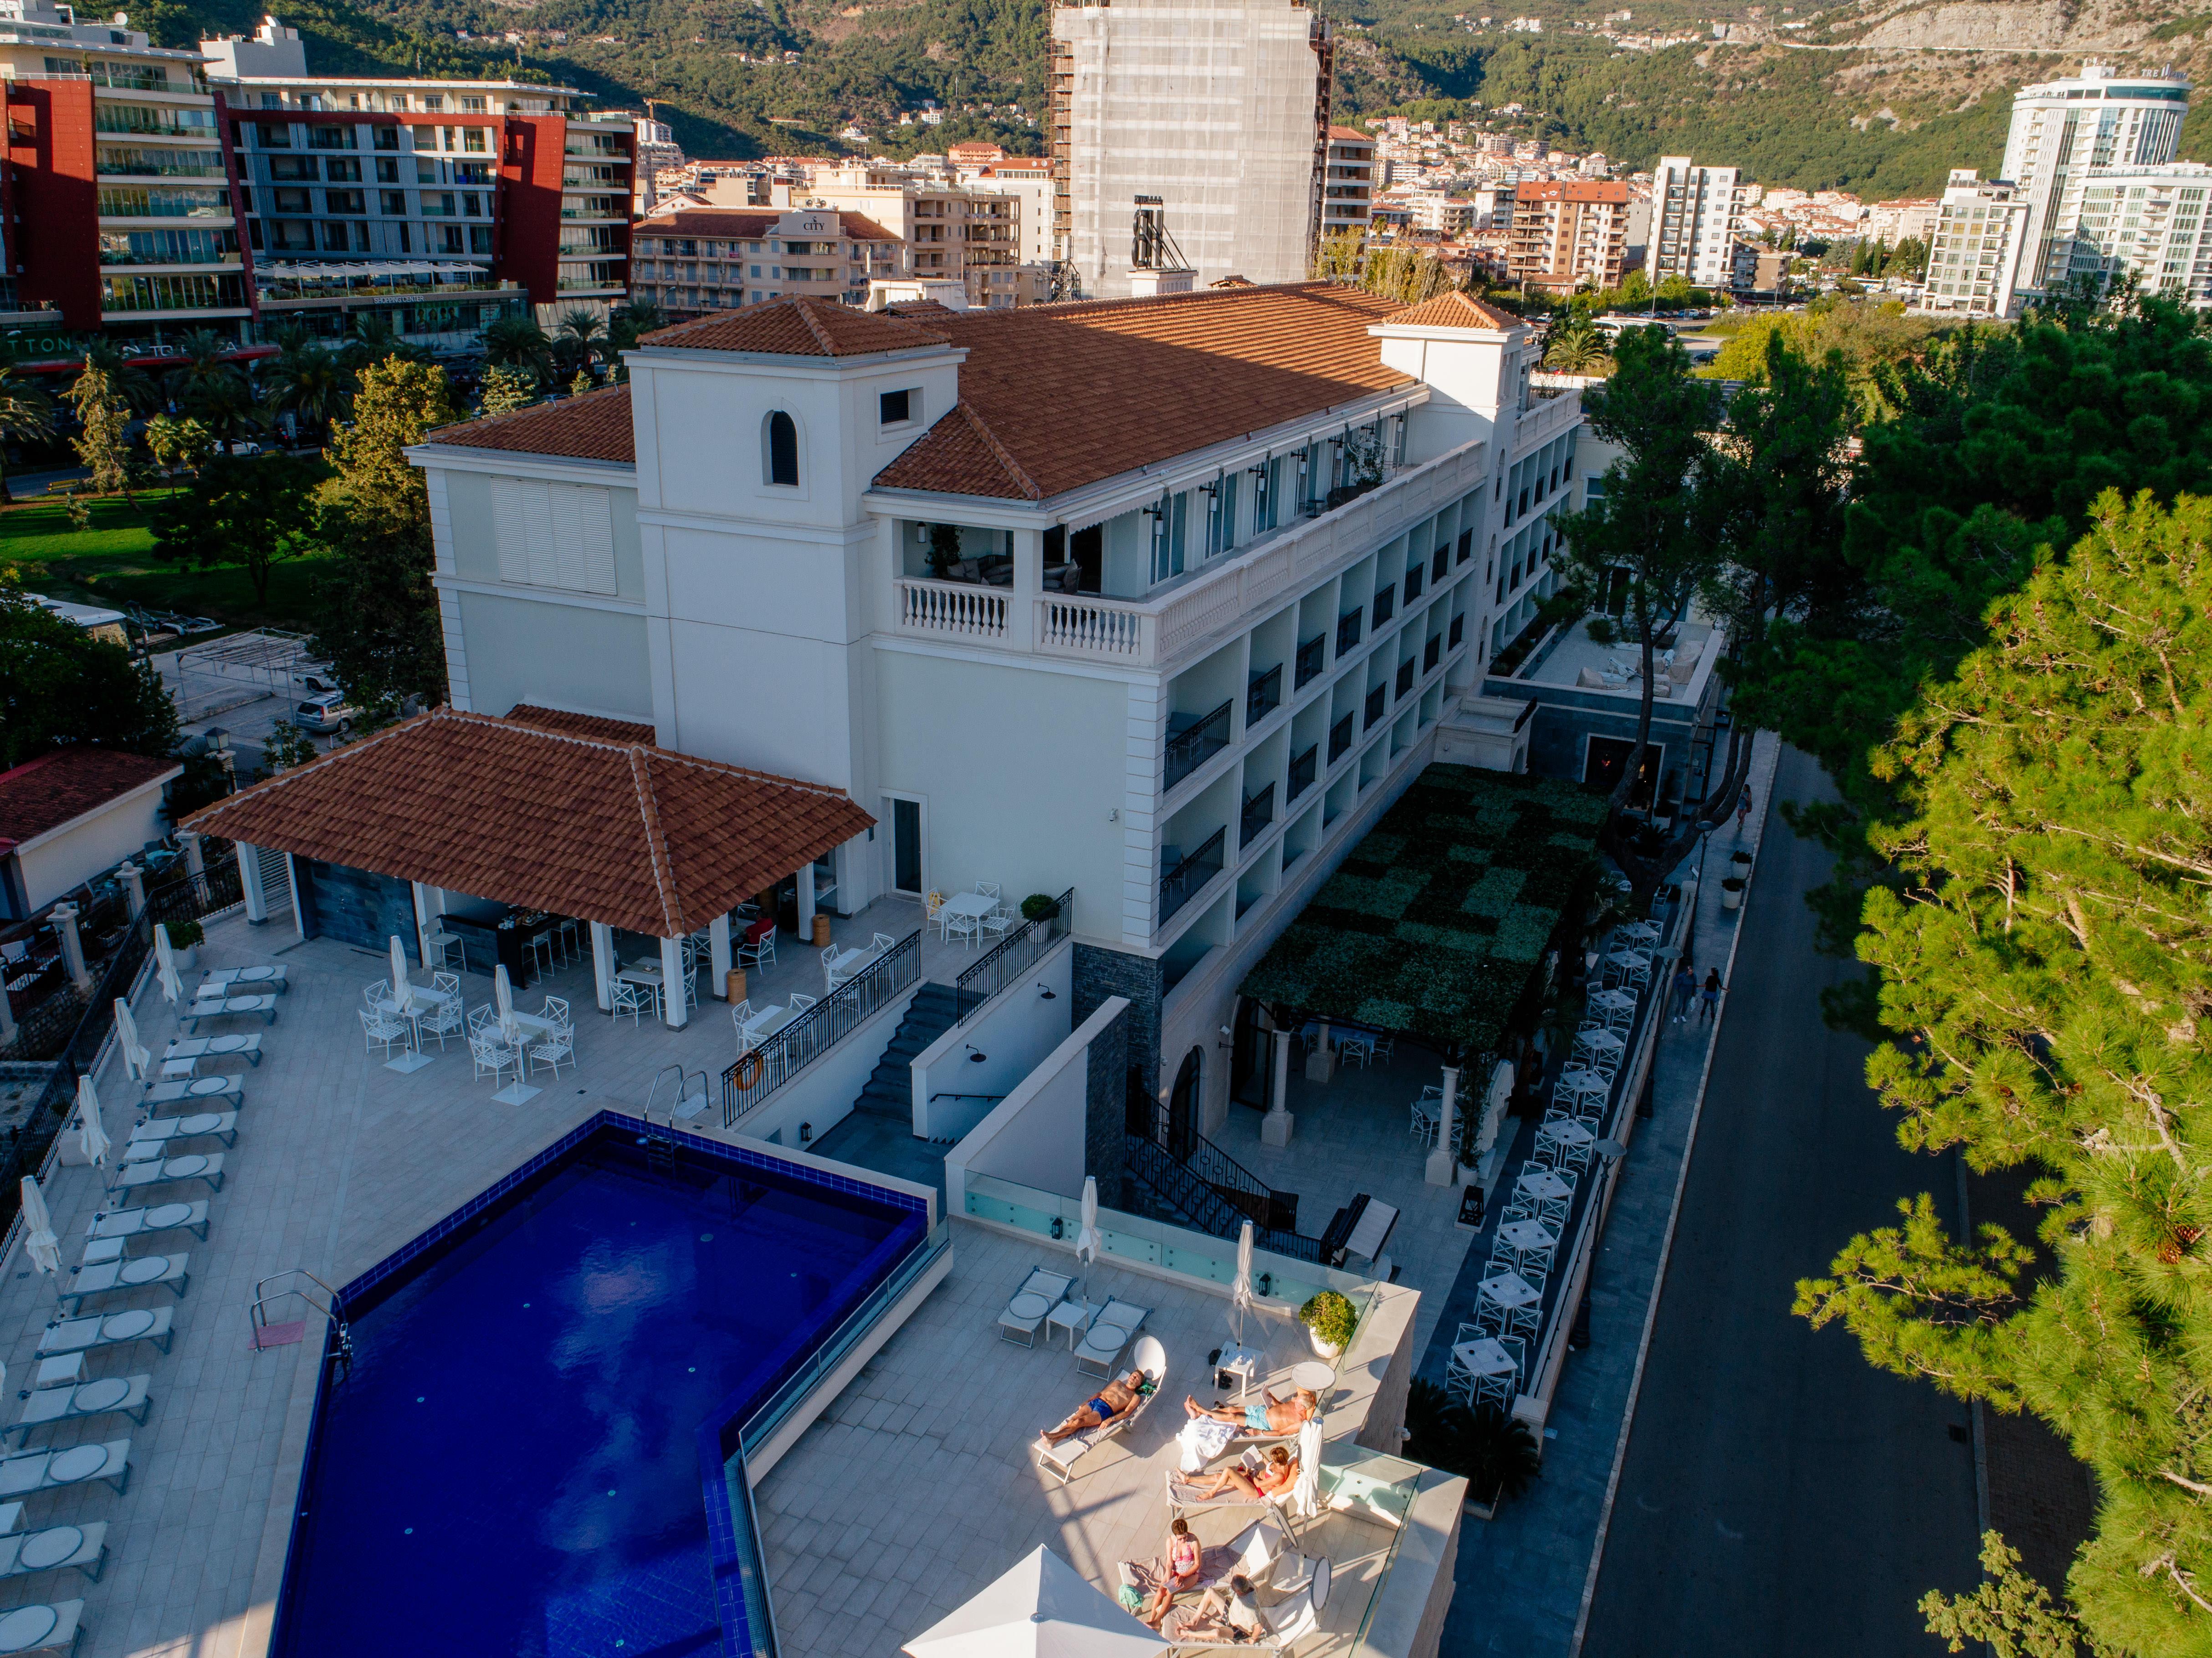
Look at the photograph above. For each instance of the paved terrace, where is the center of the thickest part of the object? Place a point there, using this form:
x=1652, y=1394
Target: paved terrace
x=338, y=1162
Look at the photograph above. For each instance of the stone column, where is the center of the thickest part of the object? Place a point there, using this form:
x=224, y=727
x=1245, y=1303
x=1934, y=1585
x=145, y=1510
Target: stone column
x=1276, y=1126
x=62, y=919
x=134, y=886
x=603, y=965
x=1443, y=1165
x=1320, y=1058
x=806, y=903
x=195, y=861
x=717, y=954
x=249, y=877
x=674, y=1009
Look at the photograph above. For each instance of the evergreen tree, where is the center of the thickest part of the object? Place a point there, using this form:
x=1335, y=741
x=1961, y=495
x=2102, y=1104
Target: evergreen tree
x=25, y=412
x=103, y=440
x=60, y=685
x=240, y=511
x=504, y=389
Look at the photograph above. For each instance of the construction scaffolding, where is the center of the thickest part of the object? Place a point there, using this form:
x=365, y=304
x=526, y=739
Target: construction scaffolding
x=241, y=668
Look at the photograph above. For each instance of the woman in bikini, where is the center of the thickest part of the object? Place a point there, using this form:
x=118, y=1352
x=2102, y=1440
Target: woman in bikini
x=1177, y=1574
x=1280, y=1474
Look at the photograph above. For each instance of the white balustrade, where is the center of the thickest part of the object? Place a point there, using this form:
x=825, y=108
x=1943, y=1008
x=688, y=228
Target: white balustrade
x=951, y=607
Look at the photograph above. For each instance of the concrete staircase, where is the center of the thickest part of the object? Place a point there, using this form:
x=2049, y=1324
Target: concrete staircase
x=889, y=1089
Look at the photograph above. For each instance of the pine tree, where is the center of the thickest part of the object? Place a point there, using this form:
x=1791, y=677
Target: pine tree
x=103, y=440
x=2046, y=974
x=505, y=389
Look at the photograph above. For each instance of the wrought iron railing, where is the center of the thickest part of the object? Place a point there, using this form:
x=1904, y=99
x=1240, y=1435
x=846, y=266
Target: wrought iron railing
x=1302, y=768
x=1347, y=630
x=1197, y=743
x=1193, y=872
x=760, y=1071
x=1014, y=954
x=1259, y=812
x=1339, y=739
x=1386, y=602
x=1312, y=657
x=1264, y=694
x=1201, y=1204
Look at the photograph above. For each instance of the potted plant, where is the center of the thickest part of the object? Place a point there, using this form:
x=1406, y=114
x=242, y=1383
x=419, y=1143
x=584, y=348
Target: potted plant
x=1329, y=1319
x=1741, y=857
x=185, y=939
x=1039, y=907
x=1495, y=1454
x=1731, y=891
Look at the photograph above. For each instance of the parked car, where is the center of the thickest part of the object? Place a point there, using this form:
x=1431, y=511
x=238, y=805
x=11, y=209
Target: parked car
x=324, y=713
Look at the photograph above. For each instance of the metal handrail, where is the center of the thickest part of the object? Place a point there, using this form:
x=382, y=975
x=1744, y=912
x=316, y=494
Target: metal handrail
x=821, y=1028
x=1178, y=886
x=1312, y=656
x=1198, y=742
x=969, y=993
x=1263, y=695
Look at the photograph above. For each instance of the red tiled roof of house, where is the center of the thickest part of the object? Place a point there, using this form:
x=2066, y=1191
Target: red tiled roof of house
x=50, y=790
x=727, y=222
x=798, y=327
x=620, y=833
x=1570, y=190
x=1064, y=395
x=582, y=725
x=594, y=426
x=1353, y=135
x=1455, y=310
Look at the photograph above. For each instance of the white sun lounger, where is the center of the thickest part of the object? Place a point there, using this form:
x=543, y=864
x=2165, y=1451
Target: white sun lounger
x=157, y=1218
x=83, y=1335
x=149, y=1139
x=42, y=1632
x=1250, y=1555
x=1031, y=1305
x=135, y=1176
x=124, y=1396
x=1110, y=1332
x=1183, y=1494
x=1058, y=1460
x=242, y=981
x=84, y=1547
x=185, y=1051
x=45, y=1470
x=1283, y=1625
x=217, y=1007
x=200, y=1093
x=140, y=1272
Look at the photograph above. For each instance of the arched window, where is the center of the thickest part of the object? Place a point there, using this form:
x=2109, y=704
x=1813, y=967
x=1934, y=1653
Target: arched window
x=1182, y=1106
x=782, y=442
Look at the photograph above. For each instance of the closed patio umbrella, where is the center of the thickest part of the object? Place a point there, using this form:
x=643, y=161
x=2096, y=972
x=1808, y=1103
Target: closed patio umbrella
x=1240, y=1289
x=136, y=1060
x=91, y=1132
x=502, y=995
x=402, y=991
x=1087, y=1241
x=38, y=1240
x=165, y=961
x=1042, y=1608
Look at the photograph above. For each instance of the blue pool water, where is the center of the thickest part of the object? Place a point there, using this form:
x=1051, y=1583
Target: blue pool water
x=513, y=1464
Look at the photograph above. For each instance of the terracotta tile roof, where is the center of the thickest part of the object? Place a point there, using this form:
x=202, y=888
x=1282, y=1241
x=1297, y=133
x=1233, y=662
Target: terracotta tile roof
x=594, y=426
x=620, y=833
x=755, y=221
x=1352, y=134
x=1455, y=310
x=1064, y=395
x=53, y=789
x=581, y=724
x=799, y=327
x=1570, y=190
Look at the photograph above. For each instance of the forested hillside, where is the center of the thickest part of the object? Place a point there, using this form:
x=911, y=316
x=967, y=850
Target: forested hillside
x=1885, y=121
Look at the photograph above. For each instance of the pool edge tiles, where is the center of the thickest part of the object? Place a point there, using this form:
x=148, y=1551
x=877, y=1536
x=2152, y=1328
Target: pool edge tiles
x=788, y=1376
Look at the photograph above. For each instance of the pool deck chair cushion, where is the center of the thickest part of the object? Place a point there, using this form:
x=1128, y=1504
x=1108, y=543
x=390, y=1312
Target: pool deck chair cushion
x=1183, y=1493
x=84, y=1547
x=1058, y=1460
x=83, y=1335
x=117, y=1395
x=1109, y=1332
x=1023, y=1313
x=41, y=1631
x=200, y=1093
x=46, y=1470
x=137, y=1273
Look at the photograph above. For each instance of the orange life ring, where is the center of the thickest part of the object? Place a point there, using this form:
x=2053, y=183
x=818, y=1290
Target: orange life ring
x=750, y=1066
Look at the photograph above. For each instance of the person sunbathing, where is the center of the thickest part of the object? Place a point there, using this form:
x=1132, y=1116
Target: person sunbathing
x=1179, y=1571
x=1277, y=1476
x=1216, y=1617
x=1269, y=1416
x=1115, y=1399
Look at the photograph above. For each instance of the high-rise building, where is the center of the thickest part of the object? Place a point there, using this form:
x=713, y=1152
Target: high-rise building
x=1568, y=234
x=973, y=237
x=1980, y=241
x=691, y=260
x=1347, y=190
x=2062, y=130
x=1696, y=212
x=2144, y=225
x=1215, y=111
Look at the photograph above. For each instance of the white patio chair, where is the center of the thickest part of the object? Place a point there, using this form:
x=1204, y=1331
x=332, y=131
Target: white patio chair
x=480, y=1016
x=1355, y=1050
x=447, y=984
x=492, y=1052
x=987, y=889
x=445, y=947
x=799, y=1004
x=690, y=984
x=741, y=1016
x=558, y=1045
x=952, y=925
x=757, y=952
x=376, y=993
x=1000, y=921
x=572, y=937
x=1425, y=1118
x=381, y=1029
x=442, y=1019
x=632, y=999
x=541, y=949
x=555, y=1012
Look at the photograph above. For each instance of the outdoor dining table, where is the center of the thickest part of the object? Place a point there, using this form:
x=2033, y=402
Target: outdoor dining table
x=765, y=1021
x=1528, y=1237
x=1544, y=1186
x=1510, y=1291
x=972, y=906
x=1485, y=1356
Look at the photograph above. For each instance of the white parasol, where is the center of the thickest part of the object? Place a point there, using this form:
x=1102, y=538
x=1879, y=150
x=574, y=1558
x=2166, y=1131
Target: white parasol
x=38, y=1240
x=1087, y=1241
x=503, y=994
x=136, y=1060
x=165, y=961
x=402, y=991
x=92, y=1133
x=1042, y=1608
x=1240, y=1289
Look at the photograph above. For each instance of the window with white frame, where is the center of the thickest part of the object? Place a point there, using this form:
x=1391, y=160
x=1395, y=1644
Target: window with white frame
x=553, y=535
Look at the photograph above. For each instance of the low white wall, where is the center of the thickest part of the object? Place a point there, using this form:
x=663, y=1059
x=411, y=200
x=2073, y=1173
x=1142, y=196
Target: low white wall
x=1014, y=1030
x=1035, y=1136
x=97, y=842
x=821, y=1096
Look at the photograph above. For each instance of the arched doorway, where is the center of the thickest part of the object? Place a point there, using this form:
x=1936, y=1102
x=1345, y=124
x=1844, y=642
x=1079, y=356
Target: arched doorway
x=1182, y=1136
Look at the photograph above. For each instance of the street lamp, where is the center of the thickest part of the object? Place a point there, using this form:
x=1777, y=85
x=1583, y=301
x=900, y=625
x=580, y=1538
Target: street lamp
x=218, y=742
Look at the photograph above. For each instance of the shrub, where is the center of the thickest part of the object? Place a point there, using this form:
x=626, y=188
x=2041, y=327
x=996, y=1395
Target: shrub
x=1492, y=1452
x=1601, y=630
x=1331, y=1317
x=183, y=935
x=1037, y=906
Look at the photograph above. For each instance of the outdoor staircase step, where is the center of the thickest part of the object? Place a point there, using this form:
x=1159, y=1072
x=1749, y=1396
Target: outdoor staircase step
x=889, y=1091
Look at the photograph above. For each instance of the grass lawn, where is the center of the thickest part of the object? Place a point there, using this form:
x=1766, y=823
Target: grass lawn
x=111, y=562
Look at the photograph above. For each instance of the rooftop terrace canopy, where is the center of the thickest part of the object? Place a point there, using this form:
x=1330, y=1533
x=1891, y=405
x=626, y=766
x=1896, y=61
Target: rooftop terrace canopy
x=591, y=823
x=1434, y=921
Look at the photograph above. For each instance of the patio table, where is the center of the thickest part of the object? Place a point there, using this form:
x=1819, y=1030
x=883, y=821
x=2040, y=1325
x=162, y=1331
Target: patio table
x=1544, y=1186
x=974, y=906
x=1072, y=1316
x=765, y=1021
x=1511, y=1291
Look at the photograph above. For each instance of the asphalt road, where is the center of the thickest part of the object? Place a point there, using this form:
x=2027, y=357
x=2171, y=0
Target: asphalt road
x=1780, y=1495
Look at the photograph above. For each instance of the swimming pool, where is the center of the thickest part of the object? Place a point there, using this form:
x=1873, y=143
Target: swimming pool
x=546, y=1393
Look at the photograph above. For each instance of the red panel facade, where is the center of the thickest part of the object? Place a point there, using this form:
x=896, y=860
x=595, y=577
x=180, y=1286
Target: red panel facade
x=529, y=203
x=54, y=234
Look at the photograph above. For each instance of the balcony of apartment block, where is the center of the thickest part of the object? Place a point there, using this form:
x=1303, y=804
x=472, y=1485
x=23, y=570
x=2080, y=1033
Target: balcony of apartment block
x=312, y=284
x=1088, y=601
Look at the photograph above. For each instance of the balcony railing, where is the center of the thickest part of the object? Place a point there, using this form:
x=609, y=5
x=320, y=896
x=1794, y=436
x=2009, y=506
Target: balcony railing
x=1339, y=739
x=1263, y=695
x=1347, y=630
x=1191, y=745
x=749, y=1083
x=1386, y=602
x=959, y=609
x=1190, y=873
x=1405, y=676
x=1014, y=954
x=1378, y=700
x=1259, y=812
x=1312, y=657
x=1432, y=653
x=1302, y=767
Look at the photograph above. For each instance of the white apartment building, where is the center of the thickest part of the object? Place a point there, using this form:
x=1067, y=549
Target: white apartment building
x=1348, y=191
x=1979, y=246
x=2142, y=224
x=973, y=237
x=2063, y=130
x=1696, y=214
x=1218, y=109
x=1162, y=600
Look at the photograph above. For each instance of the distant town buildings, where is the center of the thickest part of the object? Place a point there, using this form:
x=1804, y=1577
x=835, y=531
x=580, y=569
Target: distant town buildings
x=1696, y=215
x=1347, y=190
x=1567, y=234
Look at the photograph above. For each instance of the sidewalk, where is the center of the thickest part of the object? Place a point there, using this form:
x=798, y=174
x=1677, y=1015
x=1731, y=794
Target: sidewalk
x=1524, y=1578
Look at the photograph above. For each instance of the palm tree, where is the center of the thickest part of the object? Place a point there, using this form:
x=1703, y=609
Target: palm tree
x=519, y=343
x=305, y=379
x=581, y=338
x=225, y=404
x=205, y=359
x=1576, y=348
x=25, y=412
x=626, y=326
x=374, y=339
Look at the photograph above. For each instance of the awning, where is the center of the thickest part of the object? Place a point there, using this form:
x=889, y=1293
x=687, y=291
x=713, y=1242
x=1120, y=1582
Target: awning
x=1433, y=924
x=288, y=272
x=578, y=823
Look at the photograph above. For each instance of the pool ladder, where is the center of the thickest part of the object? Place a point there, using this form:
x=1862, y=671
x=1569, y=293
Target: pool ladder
x=331, y=1308
x=687, y=1098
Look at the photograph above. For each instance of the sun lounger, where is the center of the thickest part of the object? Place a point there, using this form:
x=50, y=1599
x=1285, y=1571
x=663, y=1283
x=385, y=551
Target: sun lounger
x=42, y=1632
x=45, y=1470
x=120, y=1396
x=228, y=1006
x=1031, y=1305
x=1110, y=1332
x=198, y=1093
x=1250, y=1555
x=1183, y=1494
x=158, y=1217
x=188, y=1051
x=84, y=1547
x=83, y=1335
x=1058, y=1460
x=1370, y=1232
x=136, y=1177
x=149, y=1139
x=1282, y=1626
x=242, y=981
x=141, y=1273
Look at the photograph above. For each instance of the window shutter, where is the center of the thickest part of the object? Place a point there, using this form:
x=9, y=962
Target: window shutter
x=553, y=535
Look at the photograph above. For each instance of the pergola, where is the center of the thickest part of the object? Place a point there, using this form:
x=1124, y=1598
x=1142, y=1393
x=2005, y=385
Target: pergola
x=588, y=820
